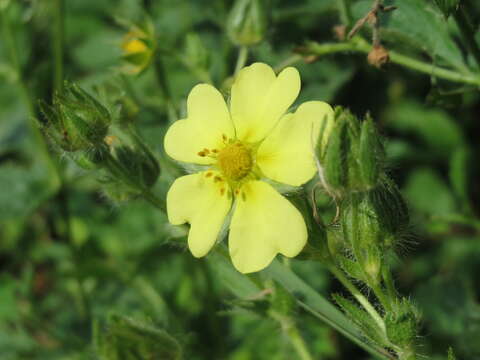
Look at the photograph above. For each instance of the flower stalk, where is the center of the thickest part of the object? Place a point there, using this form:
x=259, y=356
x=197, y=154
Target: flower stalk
x=358, y=44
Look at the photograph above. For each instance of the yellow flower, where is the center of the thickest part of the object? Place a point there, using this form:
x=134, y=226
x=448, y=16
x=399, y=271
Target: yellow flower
x=137, y=47
x=241, y=147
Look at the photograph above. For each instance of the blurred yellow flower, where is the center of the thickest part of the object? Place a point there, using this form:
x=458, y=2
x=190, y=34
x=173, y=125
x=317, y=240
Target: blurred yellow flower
x=137, y=47
x=241, y=147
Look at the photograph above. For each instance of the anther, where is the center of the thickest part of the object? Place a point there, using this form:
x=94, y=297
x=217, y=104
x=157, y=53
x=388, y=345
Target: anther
x=208, y=174
x=201, y=153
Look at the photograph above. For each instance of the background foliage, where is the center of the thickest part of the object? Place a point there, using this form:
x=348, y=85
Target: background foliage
x=72, y=256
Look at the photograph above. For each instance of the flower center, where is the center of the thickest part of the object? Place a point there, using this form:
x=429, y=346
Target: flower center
x=235, y=161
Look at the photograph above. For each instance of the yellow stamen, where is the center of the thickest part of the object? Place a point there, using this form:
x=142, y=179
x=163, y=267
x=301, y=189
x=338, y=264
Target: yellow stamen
x=235, y=161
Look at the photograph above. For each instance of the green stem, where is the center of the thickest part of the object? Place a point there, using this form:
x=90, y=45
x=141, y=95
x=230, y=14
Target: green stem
x=389, y=285
x=291, y=330
x=161, y=77
x=358, y=296
x=58, y=43
x=242, y=59
x=293, y=59
x=468, y=31
x=344, y=11
x=116, y=168
x=384, y=300
x=298, y=343
x=360, y=45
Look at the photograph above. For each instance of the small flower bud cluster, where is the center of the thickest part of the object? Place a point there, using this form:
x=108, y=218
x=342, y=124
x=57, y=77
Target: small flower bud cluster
x=79, y=124
x=76, y=121
x=372, y=217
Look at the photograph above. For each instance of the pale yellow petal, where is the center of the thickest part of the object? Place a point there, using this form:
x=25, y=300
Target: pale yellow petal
x=207, y=120
x=264, y=224
x=199, y=200
x=259, y=99
x=287, y=154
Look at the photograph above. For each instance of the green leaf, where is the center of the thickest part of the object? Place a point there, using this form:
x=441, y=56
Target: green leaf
x=417, y=24
x=428, y=193
x=27, y=188
x=433, y=127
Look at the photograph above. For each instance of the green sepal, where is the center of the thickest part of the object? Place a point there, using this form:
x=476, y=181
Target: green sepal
x=371, y=154
x=351, y=267
x=335, y=160
x=402, y=323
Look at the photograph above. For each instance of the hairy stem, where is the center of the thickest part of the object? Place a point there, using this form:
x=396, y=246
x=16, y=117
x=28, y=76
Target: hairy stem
x=360, y=45
x=358, y=296
x=161, y=77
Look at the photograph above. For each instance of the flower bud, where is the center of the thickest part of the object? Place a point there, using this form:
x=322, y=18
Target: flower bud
x=76, y=121
x=138, y=47
x=378, y=56
x=247, y=22
x=353, y=159
x=371, y=222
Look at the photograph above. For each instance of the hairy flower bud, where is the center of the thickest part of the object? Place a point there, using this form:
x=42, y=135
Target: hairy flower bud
x=371, y=221
x=247, y=22
x=76, y=121
x=353, y=159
